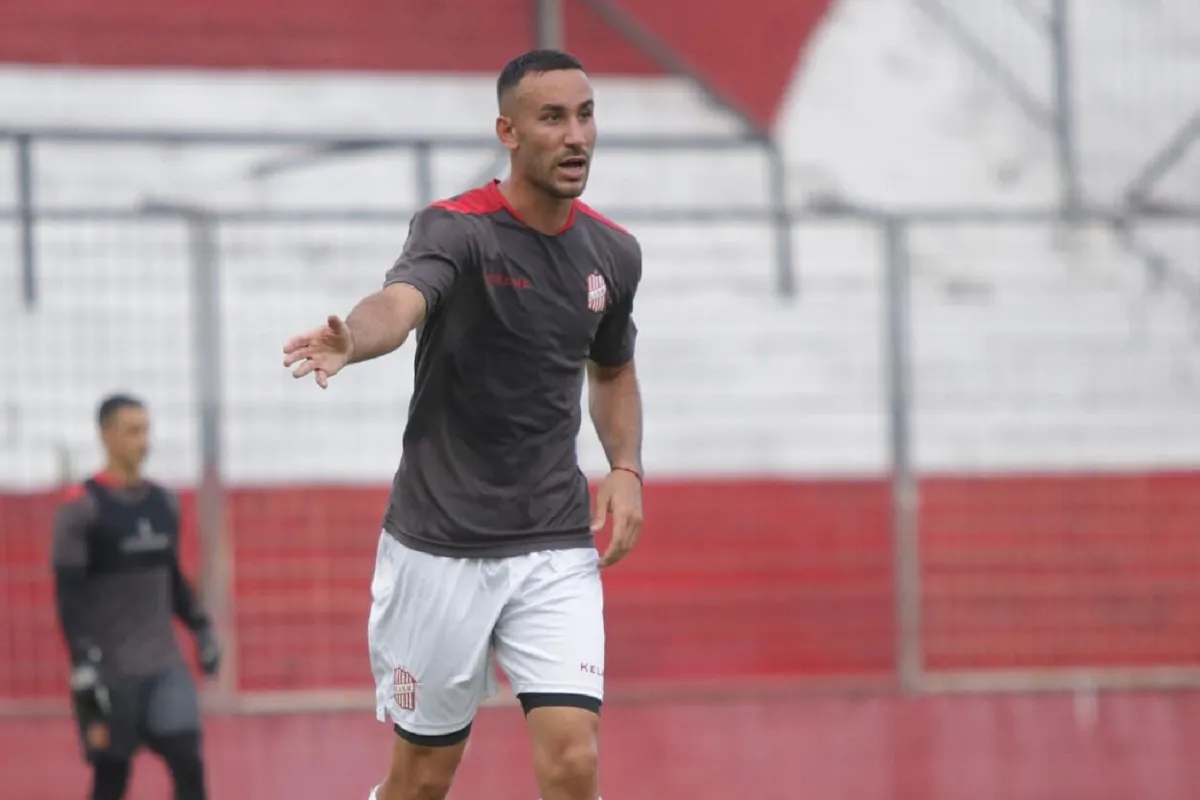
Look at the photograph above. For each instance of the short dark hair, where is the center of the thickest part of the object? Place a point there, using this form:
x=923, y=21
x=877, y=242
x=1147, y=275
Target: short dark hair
x=535, y=61
x=110, y=405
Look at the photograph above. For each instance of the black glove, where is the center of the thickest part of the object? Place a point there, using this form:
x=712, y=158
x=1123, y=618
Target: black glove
x=89, y=694
x=208, y=650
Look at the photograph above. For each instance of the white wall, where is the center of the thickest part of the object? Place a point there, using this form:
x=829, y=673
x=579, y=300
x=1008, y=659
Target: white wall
x=1032, y=350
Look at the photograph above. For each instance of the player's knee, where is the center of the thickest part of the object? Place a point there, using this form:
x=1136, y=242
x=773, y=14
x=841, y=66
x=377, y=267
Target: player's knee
x=109, y=778
x=570, y=765
x=566, y=752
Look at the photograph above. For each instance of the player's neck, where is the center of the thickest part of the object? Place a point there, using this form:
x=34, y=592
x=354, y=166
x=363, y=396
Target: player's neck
x=538, y=210
x=122, y=475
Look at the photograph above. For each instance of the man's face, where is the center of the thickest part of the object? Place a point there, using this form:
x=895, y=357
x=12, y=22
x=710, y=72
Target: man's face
x=126, y=436
x=549, y=125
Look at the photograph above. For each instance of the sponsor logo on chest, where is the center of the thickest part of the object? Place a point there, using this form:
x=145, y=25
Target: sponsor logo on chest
x=146, y=540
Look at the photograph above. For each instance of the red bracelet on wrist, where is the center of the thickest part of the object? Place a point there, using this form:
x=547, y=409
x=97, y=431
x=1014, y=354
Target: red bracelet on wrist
x=637, y=474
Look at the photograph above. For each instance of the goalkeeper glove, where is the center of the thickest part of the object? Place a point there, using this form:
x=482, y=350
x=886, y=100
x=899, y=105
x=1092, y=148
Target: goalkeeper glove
x=208, y=650
x=89, y=694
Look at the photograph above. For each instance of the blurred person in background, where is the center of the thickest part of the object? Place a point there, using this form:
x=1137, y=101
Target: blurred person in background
x=119, y=584
x=517, y=291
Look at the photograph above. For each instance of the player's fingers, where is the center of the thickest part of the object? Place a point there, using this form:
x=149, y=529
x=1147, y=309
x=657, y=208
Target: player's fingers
x=305, y=367
x=336, y=325
x=610, y=554
x=631, y=527
x=617, y=549
x=600, y=515
x=634, y=525
x=618, y=546
x=296, y=342
x=312, y=350
x=322, y=379
x=627, y=526
x=296, y=355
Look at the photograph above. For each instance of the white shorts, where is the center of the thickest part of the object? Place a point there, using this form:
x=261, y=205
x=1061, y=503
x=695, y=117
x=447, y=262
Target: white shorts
x=437, y=623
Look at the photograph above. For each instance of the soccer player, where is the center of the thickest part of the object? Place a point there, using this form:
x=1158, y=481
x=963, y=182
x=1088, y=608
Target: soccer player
x=118, y=584
x=516, y=291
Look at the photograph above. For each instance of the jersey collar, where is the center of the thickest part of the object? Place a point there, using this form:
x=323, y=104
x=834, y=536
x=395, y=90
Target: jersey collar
x=498, y=196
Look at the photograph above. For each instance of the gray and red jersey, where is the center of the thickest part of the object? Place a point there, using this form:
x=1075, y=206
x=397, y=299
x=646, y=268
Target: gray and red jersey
x=490, y=467
x=117, y=575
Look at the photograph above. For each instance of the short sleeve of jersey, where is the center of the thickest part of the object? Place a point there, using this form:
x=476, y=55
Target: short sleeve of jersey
x=434, y=255
x=617, y=334
x=71, y=520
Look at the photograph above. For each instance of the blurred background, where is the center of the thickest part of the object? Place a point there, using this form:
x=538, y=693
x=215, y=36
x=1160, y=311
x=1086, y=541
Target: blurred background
x=919, y=354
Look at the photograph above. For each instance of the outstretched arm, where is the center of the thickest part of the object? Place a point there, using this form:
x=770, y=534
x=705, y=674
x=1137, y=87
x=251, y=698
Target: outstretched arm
x=381, y=322
x=416, y=284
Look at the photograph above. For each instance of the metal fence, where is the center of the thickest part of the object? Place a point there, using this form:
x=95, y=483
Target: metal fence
x=945, y=561
x=298, y=151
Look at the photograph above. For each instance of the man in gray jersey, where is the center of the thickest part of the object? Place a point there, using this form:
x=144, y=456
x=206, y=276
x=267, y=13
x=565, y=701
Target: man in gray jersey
x=119, y=584
x=517, y=292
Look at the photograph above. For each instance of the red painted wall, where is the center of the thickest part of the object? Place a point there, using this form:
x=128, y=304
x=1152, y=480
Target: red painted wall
x=752, y=581
x=1031, y=571
x=1119, y=746
x=748, y=49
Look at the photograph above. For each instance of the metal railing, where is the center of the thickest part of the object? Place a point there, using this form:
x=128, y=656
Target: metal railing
x=892, y=229
x=423, y=148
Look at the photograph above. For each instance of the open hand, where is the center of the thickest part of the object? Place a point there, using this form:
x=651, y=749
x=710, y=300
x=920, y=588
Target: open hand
x=324, y=350
x=619, y=496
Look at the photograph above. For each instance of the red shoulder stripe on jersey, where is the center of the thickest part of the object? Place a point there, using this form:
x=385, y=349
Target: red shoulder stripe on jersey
x=107, y=480
x=596, y=215
x=484, y=200
x=488, y=199
x=73, y=492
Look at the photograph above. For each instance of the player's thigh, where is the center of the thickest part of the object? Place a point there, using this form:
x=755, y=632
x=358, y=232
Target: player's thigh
x=115, y=736
x=172, y=705
x=429, y=635
x=549, y=639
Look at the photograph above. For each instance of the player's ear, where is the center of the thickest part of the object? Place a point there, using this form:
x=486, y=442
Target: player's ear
x=505, y=132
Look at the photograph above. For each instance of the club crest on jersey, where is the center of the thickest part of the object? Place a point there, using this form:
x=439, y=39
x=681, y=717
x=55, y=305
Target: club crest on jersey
x=597, y=292
x=404, y=688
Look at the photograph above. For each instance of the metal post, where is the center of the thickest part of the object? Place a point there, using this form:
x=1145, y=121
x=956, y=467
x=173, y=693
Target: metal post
x=210, y=493
x=549, y=26
x=785, y=268
x=423, y=153
x=1064, y=112
x=905, y=500
x=24, y=151
x=1165, y=159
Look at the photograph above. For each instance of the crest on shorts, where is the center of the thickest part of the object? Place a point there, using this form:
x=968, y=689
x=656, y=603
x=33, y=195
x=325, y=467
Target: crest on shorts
x=404, y=689
x=597, y=292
